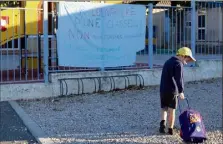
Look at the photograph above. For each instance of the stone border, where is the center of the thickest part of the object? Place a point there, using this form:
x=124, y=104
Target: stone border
x=34, y=129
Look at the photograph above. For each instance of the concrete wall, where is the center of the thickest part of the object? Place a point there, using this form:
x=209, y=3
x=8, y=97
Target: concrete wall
x=205, y=69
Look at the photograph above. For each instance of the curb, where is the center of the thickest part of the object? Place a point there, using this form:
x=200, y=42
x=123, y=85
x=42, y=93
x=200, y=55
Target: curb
x=34, y=129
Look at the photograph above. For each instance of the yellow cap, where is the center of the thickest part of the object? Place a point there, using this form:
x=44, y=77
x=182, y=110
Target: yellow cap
x=185, y=51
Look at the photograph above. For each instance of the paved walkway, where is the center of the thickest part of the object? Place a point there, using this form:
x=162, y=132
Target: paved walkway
x=12, y=129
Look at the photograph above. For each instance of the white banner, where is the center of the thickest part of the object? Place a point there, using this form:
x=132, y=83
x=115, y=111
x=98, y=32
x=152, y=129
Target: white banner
x=100, y=35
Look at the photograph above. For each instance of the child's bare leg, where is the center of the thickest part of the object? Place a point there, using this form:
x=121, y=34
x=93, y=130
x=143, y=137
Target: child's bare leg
x=171, y=120
x=163, y=120
x=164, y=114
x=171, y=117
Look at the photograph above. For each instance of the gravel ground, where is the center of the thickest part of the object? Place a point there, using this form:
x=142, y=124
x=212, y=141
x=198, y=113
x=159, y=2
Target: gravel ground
x=130, y=116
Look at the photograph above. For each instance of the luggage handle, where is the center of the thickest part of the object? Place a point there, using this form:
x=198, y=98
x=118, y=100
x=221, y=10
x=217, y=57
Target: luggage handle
x=187, y=103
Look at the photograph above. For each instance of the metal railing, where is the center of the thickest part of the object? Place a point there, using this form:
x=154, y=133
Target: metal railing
x=168, y=28
x=209, y=33
x=20, y=54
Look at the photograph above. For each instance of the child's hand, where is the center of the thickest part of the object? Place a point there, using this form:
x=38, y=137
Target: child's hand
x=181, y=95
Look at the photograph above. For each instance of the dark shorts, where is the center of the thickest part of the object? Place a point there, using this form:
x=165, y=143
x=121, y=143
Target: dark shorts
x=168, y=101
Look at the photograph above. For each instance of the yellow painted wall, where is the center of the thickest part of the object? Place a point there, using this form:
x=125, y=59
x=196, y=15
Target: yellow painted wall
x=32, y=17
x=96, y=1
x=15, y=28
x=113, y=1
x=32, y=62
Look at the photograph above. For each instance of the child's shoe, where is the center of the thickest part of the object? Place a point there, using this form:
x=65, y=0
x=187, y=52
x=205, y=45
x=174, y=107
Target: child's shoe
x=162, y=126
x=170, y=131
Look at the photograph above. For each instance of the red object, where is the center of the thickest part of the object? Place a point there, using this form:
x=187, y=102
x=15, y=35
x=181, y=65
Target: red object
x=181, y=133
x=3, y=23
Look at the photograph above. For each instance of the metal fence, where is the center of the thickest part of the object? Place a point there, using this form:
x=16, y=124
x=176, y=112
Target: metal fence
x=209, y=31
x=169, y=33
x=25, y=57
x=20, y=56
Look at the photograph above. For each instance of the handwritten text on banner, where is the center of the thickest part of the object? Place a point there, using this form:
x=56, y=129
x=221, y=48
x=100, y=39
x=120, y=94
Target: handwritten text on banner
x=100, y=35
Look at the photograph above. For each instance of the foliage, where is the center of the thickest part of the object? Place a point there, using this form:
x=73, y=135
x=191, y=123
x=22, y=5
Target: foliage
x=10, y=3
x=140, y=2
x=181, y=3
x=173, y=3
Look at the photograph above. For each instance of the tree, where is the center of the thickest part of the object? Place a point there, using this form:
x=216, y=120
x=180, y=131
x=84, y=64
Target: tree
x=10, y=3
x=139, y=2
x=173, y=3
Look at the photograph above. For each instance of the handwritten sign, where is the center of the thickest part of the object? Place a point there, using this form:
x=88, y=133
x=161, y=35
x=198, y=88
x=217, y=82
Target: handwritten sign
x=100, y=35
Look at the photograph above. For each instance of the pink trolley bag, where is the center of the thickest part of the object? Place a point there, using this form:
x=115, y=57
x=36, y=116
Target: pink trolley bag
x=191, y=124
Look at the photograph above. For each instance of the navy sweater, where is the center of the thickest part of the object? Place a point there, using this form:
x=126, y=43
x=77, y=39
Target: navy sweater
x=172, y=77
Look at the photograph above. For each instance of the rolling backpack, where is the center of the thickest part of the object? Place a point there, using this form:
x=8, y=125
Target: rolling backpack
x=192, y=128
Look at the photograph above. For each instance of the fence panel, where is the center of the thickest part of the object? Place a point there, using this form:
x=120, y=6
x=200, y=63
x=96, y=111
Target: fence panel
x=22, y=40
x=173, y=30
x=209, y=41
x=20, y=45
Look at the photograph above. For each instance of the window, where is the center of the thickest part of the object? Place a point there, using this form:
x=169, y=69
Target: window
x=14, y=44
x=201, y=34
x=201, y=26
x=201, y=21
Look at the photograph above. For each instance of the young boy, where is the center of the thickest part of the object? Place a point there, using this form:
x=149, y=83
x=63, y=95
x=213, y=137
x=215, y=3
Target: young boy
x=172, y=86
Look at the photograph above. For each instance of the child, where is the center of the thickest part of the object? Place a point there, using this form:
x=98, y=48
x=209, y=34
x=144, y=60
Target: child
x=172, y=86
